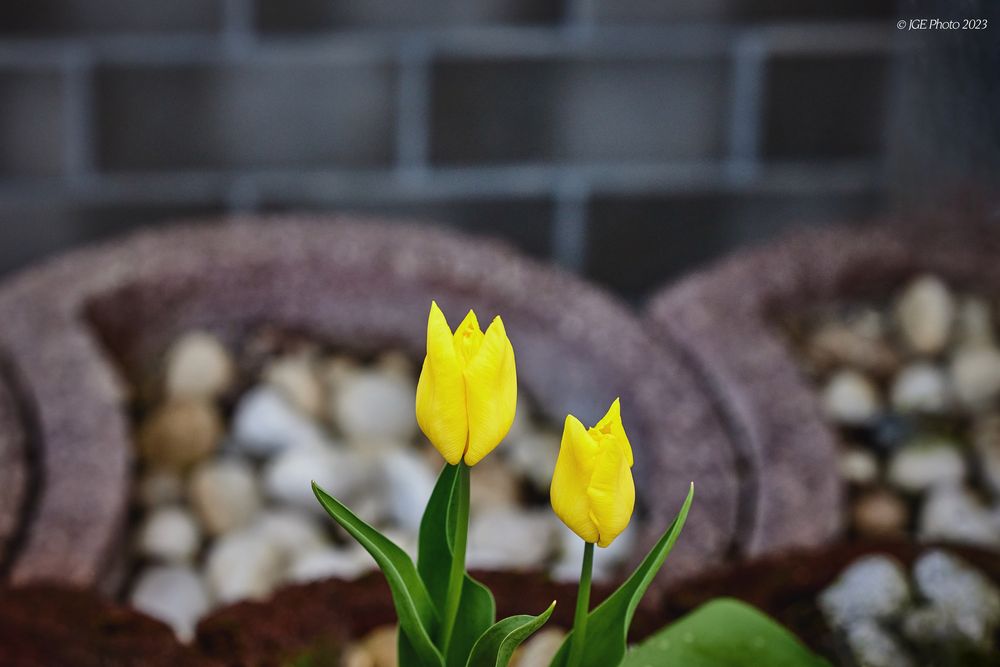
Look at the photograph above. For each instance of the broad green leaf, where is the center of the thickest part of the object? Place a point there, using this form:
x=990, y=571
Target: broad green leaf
x=437, y=534
x=476, y=610
x=497, y=644
x=607, y=625
x=417, y=616
x=723, y=633
x=476, y=613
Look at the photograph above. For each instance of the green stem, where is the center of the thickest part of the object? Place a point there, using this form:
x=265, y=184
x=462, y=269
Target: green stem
x=582, y=607
x=456, y=576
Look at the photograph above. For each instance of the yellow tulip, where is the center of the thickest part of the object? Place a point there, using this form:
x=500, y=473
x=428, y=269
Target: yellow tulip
x=592, y=489
x=468, y=387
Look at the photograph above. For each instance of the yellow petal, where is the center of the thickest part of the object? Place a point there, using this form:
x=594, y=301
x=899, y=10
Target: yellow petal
x=571, y=478
x=441, y=402
x=468, y=338
x=491, y=392
x=611, y=424
x=611, y=491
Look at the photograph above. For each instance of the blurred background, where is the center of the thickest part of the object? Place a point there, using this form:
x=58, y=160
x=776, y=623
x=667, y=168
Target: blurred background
x=628, y=140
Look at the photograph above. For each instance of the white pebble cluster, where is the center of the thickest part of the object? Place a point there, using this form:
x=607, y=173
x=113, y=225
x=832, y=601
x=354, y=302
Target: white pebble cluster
x=226, y=507
x=914, y=385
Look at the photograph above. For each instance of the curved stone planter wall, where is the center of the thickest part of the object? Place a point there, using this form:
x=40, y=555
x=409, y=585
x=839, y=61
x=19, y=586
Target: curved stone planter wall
x=77, y=327
x=723, y=319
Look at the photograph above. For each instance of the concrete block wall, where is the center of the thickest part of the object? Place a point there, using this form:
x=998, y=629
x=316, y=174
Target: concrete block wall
x=627, y=139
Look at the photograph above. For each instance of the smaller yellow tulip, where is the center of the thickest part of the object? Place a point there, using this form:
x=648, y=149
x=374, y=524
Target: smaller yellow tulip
x=467, y=390
x=592, y=489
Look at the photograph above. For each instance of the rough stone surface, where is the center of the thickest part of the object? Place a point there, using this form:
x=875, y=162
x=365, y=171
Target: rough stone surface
x=357, y=285
x=724, y=319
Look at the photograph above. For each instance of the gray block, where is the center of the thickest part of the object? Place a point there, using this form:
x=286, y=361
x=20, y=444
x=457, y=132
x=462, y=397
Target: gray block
x=640, y=11
x=524, y=223
x=317, y=15
x=276, y=113
x=41, y=17
x=578, y=111
x=32, y=123
x=825, y=106
x=657, y=238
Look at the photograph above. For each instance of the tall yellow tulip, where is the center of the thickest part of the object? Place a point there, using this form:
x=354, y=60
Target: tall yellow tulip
x=467, y=390
x=592, y=489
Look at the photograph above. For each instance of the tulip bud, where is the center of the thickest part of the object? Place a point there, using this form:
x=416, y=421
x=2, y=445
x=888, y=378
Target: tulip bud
x=467, y=390
x=592, y=489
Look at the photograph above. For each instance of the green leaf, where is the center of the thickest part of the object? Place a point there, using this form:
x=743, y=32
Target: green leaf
x=607, y=625
x=476, y=613
x=417, y=616
x=476, y=610
x=724, y=633
x=497, y=644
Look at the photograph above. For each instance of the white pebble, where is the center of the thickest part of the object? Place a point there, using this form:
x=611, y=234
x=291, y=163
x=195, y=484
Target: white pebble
x=288, y=477
x=873, y=587
x=292, y=532
x=372, y=405
x=408, y=481
x=224, y=495
x=511, y=539
x=265, y=423
x=608, y=561
x=925, y=313
x=198, y=366
x=330, y=563
x=533, y=454
x=296, y=378
x=242, y=565
x=920, y=466
x=173, y=594
x=954, y=514
x=975, y=375
x=851, y=398
x=921, y=387
x=159, y=487
x=858, y=466
x=170, y=534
